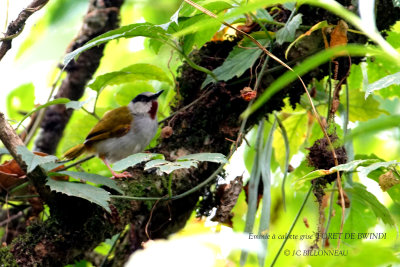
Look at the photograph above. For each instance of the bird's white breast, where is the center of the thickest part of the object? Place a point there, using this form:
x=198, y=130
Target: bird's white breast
x=142, y=131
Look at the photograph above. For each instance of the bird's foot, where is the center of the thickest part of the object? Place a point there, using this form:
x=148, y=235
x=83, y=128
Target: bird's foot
x=121, y=175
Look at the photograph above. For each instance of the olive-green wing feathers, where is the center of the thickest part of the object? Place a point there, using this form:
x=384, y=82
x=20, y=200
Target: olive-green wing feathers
x=115, y=123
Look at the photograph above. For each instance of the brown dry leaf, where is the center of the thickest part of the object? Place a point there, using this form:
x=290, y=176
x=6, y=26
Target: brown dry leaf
x=227, y=195
x=11, y=175
x=388, y=180
x=339, y=34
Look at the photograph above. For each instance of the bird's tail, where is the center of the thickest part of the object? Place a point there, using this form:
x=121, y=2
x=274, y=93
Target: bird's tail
x=75, y=151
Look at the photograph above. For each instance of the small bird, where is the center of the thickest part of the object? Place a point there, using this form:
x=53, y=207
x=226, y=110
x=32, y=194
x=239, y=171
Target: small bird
x=121, y=132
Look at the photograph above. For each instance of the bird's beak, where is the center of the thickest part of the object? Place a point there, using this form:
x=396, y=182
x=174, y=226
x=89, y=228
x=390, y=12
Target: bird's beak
x=156, y=95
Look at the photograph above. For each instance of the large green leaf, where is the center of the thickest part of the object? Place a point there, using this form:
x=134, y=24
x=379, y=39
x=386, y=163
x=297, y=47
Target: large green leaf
x=372, y=202
x=240, y=59
x=93, y=194
x=93, y=178
x=128, y=31
x=32, y=160
x=135, y=72
x=21, y=99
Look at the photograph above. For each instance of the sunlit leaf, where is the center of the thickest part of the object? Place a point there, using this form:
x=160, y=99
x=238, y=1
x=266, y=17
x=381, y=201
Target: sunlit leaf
x=135, y=72
x=93, y=194
x=32, y=160
x=135, y=159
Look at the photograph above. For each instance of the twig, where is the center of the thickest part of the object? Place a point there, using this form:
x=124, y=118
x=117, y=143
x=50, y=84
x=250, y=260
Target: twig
x=16, y=27
x=146, y=229
x=11, y=218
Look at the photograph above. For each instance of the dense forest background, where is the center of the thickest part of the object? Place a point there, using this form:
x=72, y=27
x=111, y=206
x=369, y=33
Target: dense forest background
x=278, y=141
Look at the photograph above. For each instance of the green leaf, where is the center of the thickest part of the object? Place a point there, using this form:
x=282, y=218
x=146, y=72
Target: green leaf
x=168, y=166
x=93, y=194
x=21, y=99
x=240, y=59
x=211, y=157
x=374, y=125
x=32, y=160
x=372, y=202
x=383, y=83
x=135, y=72
x=288, y=33
x=53, y=102
x=396, y=3
x=361, y=109
x=128, y=31
x=93, y=178
x=135, y=159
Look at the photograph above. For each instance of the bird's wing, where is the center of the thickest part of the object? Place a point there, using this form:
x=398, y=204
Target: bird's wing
x=115, y=123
